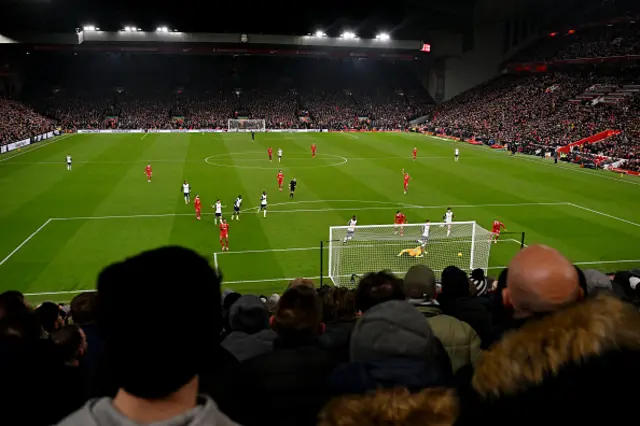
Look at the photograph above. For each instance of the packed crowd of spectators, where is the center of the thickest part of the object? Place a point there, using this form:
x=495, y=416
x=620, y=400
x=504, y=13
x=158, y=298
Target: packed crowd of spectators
x=158, y=343
x=19, y=122
x=534, y=112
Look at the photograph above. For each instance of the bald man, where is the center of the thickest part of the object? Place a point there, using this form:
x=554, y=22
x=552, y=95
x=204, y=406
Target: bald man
x=540, y=280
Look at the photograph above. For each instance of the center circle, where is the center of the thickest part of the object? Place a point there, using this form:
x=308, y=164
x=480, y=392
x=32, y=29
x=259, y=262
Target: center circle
x=261, y=157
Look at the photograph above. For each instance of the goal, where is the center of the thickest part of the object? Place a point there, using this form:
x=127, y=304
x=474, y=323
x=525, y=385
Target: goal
x=396, y=248
x=246, y=125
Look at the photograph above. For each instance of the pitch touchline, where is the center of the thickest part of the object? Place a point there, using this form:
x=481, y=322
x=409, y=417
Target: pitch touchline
x=38, y=146
x=522, y=157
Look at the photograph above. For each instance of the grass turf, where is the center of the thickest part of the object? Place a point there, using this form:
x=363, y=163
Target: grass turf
x=591, y=216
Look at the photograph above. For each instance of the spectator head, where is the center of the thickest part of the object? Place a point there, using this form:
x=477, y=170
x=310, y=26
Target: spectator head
x=596, y=281
x=272, y=302
x=71, y=344
x=298, y=316
x=83, y=308
x=249, y=315
x=159, y=316
x=21, y=327
x=420, y=283
x=301, y=281
x=455, y=283
x=11, y=302
x=540, y=280
x=479, y=281
x=227, y=302
x=50, y=316
x=378, y=287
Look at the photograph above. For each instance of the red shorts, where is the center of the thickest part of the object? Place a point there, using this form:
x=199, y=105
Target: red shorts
x=280, y=182
x=148, y=175
x=406, y=184
x=496, y=233
x=198, y=210
x=224, y=236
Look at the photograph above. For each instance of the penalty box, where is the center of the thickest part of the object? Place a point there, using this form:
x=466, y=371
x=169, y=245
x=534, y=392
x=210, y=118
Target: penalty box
x=33, y=250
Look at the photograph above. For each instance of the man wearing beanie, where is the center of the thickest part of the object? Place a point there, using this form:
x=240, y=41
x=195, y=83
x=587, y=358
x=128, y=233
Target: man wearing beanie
x=456, y=301
x=458, y=338
x=288, y=385
x=156, y=360
x=392, y=346
x=250, y=333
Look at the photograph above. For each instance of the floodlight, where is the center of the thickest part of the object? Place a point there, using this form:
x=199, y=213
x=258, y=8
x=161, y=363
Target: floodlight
x=383, y=37
x=89, y=28
x=320, y=34
x=348, y=35
x=139, y=29
x=127, y=28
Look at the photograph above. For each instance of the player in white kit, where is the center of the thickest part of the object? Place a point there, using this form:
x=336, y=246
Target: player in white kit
x=69, y=162
x=279, y=154
x=448, y=219
x=186, y=191
x=236, y=208
x=457, y=154
x=351, y=230
x=424, y=239
x=218, y=207
x=263, y=203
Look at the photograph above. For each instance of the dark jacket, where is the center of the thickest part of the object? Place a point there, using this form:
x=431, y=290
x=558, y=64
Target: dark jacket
x=245, y=346
x=360, y=378
x=337, y=336
x=576, y=366
x=473, y=312
x=458, y=338
x=287, y=386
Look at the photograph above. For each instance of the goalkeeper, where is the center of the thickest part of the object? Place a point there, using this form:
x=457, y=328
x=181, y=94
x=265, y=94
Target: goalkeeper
x=414, y=252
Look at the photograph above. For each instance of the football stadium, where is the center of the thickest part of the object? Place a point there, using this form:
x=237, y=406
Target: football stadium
x=386, y=218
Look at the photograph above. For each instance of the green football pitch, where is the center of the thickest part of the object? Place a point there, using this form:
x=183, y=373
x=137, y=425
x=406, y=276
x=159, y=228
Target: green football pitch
x=60, y=228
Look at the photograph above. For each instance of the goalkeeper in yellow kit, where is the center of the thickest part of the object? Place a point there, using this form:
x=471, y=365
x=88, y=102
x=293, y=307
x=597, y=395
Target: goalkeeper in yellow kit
x=414, y=252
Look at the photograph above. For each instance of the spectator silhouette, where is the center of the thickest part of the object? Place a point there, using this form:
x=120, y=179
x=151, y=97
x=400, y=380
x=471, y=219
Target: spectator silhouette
x=156, y=362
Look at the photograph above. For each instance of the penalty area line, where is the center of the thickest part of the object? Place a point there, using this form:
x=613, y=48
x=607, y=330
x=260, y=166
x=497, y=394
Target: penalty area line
x=33, y=234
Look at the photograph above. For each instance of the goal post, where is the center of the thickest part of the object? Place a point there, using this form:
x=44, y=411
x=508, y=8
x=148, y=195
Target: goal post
x=354, y=252
x=246, y=125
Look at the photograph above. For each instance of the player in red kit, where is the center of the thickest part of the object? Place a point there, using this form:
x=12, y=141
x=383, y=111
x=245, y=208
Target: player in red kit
x=415, y=153
x=270, y=152
x=198, y=205
x=495, y=230
x=224, y=234
x=148, y=172
x=280, y=180
x=407, y=178
x=313, y=150
x=399, y=220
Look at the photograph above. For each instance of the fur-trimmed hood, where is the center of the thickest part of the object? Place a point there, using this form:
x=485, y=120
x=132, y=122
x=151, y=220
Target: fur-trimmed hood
x=542, y=348
x=436, y=406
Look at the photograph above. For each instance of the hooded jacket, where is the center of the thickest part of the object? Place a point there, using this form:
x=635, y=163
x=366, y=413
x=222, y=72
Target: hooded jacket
x=101, y=412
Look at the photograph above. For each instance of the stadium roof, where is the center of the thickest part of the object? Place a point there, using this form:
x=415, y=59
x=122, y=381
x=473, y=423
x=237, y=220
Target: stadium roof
x=403, y=19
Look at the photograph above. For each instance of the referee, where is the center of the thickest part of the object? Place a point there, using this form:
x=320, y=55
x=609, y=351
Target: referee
x=292, y=187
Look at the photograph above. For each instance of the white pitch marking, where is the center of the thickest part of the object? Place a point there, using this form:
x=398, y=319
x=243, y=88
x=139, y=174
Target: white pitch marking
x=15, y=250
x=40, y=145
x=523, y=157
x=605, y=214
x=144, y=136
x=315, y=210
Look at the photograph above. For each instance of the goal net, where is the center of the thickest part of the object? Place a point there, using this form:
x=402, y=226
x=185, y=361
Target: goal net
x=246, y=125
x=354, y=252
